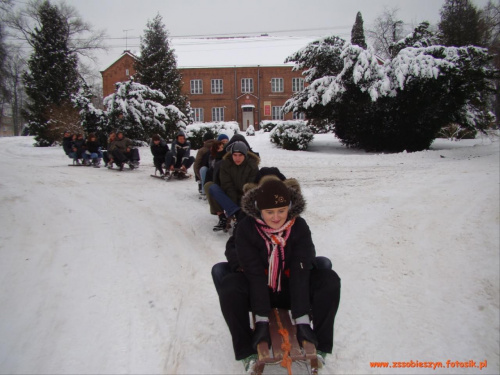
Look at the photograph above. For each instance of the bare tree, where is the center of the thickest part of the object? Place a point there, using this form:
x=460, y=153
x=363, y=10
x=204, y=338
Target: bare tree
x=16, y=66
x=82, y=39
x=387, y=30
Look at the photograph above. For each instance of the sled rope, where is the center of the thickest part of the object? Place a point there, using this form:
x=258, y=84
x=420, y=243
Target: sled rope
x=285, y=345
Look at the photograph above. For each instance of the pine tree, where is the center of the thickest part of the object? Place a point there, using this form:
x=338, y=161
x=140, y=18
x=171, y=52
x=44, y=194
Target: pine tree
x=420, y=37
x=52, y=75
x=137, y=110
x=358, y=33
x=460, y=24
x=401, y=105
x=157, y=68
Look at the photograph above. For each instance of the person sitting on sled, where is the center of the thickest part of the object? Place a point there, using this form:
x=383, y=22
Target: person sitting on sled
x=159, y=149
x=77, y=148
x=107, y=155
x=238, y=167
x=201, y=162
x=124, y=152
x=276, y=268
x=92, y=151
x=179, y=155
x=67, y=144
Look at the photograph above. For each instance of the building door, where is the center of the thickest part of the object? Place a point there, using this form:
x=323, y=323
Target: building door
x=247, y=117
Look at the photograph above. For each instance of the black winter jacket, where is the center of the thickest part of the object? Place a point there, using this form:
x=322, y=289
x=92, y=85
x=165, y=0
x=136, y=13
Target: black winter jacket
x=92, y=146
x=160, y=150
x=252, y=257
x=67, y=144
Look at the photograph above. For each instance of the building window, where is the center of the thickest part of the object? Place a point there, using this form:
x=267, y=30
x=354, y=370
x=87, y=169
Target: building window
x=127, y=73
x=277, y=113
x=299, y=116
x=218, y=114
x=198, y=114
x=277, y=85
x=196, y=86
x=247, y=85
x=217, y=86
x=297, y=84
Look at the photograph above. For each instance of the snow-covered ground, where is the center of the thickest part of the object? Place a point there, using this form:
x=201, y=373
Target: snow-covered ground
x=109, y=272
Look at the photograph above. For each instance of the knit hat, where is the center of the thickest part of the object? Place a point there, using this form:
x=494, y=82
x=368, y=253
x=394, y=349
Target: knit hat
x=240, y=147
x=223, y=136
x=272, y=194
x=207, y=136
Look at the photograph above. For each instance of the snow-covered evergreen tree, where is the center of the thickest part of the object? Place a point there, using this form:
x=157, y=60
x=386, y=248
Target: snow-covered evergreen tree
x=401, y=105
x=137, y=110
x=358, y=32
x=93, y=120
x=157, y=68
x=420, y=37
x=52, y=75
x=460, y=24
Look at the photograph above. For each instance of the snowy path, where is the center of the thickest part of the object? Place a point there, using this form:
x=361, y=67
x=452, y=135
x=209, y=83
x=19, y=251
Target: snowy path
x=109, y=272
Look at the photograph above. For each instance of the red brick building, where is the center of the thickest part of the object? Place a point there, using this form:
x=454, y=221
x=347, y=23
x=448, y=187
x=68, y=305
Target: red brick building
x=119, y=71
x=245, y=94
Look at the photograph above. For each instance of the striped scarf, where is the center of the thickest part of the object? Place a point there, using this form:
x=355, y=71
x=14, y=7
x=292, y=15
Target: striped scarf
x=275, y=242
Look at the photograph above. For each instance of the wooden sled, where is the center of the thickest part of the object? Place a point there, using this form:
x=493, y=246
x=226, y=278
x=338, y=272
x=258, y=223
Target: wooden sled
x=279, y=320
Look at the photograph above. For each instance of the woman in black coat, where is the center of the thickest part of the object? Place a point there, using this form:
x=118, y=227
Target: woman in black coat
x=276, y=263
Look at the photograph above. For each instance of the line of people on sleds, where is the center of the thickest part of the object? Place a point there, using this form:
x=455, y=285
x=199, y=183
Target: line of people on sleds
x=221, y=167
x=270, y=257
x=120, y=150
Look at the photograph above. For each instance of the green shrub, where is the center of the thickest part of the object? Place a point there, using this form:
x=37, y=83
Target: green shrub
x=292, y=135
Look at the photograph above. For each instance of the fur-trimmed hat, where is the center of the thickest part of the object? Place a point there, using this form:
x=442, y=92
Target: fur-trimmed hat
x=272, y=194
x=297, y=203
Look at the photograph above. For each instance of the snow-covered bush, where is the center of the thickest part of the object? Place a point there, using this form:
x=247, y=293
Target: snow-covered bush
x=319, y=126
x=136, y=110
x=401, y=104
x=196, y=131
x=250, y=131
x=268, y=125
x=456, y=132
x=291, y=135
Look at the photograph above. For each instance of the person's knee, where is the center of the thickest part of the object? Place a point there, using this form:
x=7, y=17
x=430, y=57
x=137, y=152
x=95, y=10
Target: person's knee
x=323, y=263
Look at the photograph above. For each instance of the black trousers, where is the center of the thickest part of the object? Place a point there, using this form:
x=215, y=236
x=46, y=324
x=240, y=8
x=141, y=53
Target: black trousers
x=234, y=298
x=158, y=162
x=172, y=159
x=123, y=157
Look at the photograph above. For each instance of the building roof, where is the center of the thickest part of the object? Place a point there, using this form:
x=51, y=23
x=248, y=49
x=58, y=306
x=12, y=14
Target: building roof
x=224, y=52
x=125, y=53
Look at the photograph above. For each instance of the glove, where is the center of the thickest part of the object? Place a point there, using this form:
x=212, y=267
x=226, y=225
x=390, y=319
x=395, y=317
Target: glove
x=304, y=332
x=261, y=333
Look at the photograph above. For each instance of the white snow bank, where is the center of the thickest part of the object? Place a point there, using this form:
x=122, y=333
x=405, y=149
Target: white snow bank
x=109, y=272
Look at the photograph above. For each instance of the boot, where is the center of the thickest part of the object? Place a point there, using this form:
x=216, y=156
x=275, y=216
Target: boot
x=221, y=225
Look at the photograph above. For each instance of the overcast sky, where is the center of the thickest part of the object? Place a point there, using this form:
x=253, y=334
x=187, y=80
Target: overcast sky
x=184, y=18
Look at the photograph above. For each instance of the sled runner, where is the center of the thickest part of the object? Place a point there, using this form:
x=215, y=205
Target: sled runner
x=285, y=347
x=131, y=166
x=178, y=174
